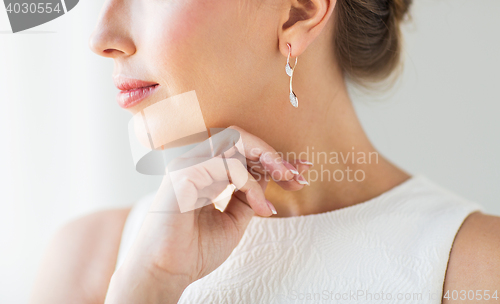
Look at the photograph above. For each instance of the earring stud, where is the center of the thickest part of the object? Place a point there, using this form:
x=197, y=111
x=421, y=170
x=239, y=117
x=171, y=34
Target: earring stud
x=289, y=71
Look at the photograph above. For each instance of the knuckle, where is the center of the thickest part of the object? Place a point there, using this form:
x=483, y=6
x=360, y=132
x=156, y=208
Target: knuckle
x=256, y=151
x=234, y=163
x=234, y=127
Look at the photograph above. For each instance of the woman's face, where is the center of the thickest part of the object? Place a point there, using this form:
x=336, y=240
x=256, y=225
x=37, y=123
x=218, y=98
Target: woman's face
x=226, y=50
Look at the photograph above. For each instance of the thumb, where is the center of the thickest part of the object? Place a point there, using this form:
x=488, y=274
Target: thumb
x=240, y=212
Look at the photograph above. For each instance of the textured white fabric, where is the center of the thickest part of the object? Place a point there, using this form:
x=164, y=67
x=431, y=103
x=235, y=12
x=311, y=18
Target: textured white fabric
x=393, y=248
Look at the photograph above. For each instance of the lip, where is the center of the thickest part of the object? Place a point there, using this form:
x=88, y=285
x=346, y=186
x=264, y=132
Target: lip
x=133, y=91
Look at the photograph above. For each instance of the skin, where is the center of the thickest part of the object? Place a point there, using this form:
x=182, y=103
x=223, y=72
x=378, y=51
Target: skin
x=238, y=74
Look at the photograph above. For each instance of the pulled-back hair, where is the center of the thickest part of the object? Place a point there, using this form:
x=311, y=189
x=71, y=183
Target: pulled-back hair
x=368, y=38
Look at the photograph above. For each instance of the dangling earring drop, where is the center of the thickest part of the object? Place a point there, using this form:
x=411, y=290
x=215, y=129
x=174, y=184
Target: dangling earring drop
x=289, y=71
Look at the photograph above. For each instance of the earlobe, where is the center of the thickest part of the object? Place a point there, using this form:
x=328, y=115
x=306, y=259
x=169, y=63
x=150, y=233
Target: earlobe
x=304, y=21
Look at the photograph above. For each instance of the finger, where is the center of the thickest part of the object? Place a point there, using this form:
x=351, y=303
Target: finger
x=254, y=194
x=201, y=172
x=302, y=165
x=257, y=150
x=240, y=212
x=297, y=183
x=241, y=207
x=262, y=180
x=218, y=174
x=301, y=168
x=197, y=181
x=203, y=180
x=214, y=190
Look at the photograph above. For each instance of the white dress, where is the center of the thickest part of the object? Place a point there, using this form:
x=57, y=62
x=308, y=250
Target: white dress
x=393, y=248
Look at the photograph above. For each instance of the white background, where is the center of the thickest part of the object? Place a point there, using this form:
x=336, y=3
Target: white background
x=64, y=145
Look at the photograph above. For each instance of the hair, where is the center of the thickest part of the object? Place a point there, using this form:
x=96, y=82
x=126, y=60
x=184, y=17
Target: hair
x=368, y=40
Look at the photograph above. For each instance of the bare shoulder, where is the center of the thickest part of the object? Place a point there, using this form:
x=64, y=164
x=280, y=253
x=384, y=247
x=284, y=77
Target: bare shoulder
x=80, y=259
x=474, y=264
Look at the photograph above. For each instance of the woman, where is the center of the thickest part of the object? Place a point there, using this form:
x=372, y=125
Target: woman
x=382, y=234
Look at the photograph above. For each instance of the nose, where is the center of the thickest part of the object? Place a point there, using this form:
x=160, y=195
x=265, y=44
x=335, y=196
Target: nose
x=111, y=36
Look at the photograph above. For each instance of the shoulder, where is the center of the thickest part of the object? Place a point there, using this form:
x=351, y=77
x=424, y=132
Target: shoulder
x=474, y=264
x=80, y=259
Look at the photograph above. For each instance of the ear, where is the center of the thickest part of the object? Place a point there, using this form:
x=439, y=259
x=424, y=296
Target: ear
x=303, y=22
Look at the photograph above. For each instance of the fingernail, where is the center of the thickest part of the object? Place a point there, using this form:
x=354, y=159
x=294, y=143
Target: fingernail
x=305, y=162
x=301, y=180
x=290, y=167
x=273, y=210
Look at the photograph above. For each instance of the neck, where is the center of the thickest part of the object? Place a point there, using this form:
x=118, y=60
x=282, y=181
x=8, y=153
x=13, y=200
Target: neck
x=325, y=130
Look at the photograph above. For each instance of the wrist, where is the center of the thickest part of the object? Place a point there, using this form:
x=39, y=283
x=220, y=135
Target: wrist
x=133, y=284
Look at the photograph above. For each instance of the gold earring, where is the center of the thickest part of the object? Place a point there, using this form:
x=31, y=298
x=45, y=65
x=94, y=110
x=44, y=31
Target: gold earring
x=289, y=71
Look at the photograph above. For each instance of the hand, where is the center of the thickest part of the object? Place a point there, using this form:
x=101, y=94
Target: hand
x=186, y=246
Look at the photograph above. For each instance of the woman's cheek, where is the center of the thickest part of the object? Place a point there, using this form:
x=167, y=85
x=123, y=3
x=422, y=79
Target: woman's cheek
x=175, y=38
